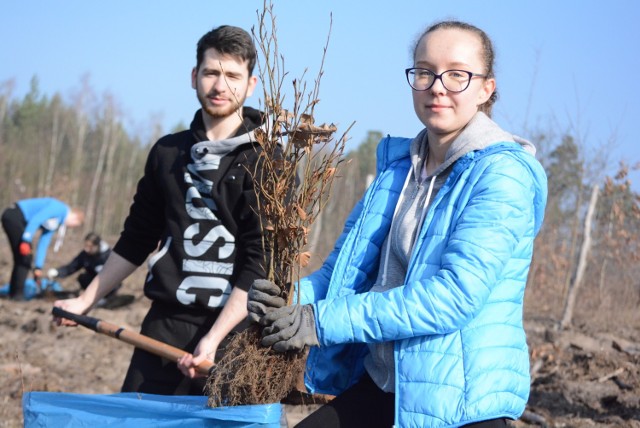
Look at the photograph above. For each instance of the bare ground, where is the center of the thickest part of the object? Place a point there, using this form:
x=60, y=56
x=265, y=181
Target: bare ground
x=580, y=378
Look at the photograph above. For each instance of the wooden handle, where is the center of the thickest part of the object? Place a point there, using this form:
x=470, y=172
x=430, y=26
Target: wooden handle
x=83, y=320
x=148, y=344
x=138, y=340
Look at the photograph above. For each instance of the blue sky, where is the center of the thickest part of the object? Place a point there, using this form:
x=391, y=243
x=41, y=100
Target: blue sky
x=562, y=66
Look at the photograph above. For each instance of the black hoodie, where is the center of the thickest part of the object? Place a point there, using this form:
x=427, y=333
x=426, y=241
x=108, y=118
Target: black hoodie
x=196, y=204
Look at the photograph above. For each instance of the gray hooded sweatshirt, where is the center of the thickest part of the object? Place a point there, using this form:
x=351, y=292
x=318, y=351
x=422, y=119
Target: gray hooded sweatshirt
x=418, y=192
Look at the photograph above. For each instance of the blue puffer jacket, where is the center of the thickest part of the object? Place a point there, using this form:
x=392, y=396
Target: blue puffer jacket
x=460, y=347
x=45, y=214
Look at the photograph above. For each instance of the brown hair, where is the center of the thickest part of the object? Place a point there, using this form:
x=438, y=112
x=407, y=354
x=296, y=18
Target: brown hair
x=93, y=237
x=488, y=54
x=228, y=40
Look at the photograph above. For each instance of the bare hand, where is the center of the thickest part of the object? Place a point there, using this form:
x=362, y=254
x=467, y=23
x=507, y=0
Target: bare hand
x=188, y=363
x=75, y=306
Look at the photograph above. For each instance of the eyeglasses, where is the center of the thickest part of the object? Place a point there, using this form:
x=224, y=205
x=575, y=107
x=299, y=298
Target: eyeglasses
x=421, y=79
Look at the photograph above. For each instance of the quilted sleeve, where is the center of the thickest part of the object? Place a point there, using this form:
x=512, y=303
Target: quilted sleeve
x=488, y=219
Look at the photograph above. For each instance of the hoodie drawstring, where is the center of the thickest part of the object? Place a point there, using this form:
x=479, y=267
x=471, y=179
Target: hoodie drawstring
x=423, y=214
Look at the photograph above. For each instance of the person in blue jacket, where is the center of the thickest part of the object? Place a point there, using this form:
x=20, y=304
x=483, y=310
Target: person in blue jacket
x=22, y=222
x=415, y=318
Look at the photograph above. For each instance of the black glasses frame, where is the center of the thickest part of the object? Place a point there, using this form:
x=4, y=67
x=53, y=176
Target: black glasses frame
x=471, y=75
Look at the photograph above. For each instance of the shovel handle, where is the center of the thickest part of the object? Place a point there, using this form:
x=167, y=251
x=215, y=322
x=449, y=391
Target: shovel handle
x=138, y=340
x=83, y=320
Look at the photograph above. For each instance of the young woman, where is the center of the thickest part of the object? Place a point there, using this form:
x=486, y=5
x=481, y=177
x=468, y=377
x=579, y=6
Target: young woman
x=415, y=319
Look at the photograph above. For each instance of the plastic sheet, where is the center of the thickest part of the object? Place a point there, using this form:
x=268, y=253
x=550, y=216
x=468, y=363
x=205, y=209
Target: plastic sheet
x=56, y=409
x=32, y=290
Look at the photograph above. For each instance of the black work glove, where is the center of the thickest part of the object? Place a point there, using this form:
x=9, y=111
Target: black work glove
x=263, y=297
x=290, y=328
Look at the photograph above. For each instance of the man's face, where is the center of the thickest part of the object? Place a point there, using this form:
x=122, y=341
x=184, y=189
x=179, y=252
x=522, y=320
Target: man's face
x=222, y=83
x=91, y=248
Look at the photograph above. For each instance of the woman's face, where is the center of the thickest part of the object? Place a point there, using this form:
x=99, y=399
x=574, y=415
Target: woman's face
x=445, y=113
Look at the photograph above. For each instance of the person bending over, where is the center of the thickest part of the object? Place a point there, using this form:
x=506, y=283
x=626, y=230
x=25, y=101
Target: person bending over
x=29, y=221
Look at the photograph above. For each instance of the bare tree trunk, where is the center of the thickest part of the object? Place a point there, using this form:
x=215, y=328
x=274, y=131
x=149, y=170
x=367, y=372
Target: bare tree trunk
x=574, y=239
x=607, y=256
x=5, y=96
x=105, y=204
x=132, y=174
x=53, y=153
x=93, y=192
x=77, y=161
x=603, y=271
x=78, y=157
x=40, y=168
x=582, y=263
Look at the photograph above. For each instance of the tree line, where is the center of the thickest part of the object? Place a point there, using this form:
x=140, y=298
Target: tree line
x=79, y=151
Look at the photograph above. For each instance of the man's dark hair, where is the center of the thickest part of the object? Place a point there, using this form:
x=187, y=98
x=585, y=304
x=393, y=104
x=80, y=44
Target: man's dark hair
x=93, y=237
x=228, y=40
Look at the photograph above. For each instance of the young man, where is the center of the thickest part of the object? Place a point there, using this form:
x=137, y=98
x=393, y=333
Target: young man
x=90, y=260
x=197, y=205
x=21, y=223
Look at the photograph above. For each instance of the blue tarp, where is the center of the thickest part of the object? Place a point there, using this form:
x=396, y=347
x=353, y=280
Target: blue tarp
x=57, y=409
x=31, y=288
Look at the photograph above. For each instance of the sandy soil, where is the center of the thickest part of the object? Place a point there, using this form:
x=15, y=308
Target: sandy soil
x=579, y=378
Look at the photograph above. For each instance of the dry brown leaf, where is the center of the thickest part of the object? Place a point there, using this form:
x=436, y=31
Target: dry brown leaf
x=301, y=213
x=306, y=119
x=285, y=117
x=269, y=226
